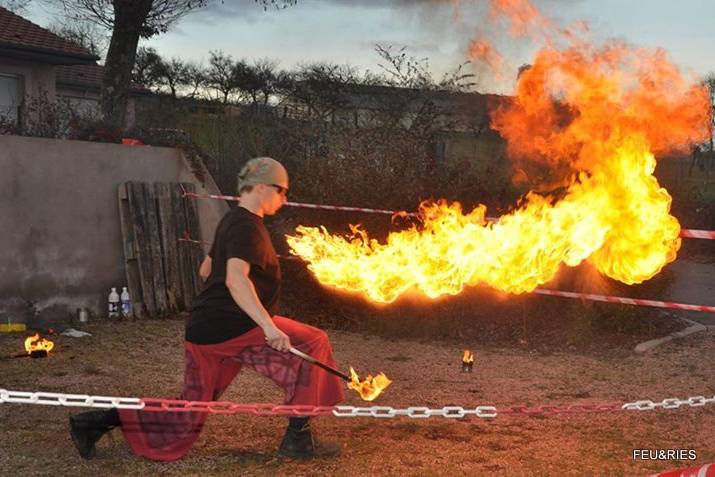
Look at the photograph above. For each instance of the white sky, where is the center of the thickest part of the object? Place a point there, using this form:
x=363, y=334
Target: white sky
x=345, y=31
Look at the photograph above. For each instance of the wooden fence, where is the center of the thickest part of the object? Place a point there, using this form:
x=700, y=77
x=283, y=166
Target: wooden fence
x=162, y=272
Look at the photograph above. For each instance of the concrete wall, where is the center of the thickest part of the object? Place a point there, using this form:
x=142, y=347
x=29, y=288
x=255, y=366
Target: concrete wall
x=60, y=236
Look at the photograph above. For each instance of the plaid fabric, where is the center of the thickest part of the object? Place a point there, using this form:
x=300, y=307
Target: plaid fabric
x=209, y=369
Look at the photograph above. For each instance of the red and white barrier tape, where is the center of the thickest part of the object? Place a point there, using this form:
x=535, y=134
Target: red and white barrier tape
x=306, y=206
x=267, y=409
x=211, y=196
x=707, y=470
x=685, y=233
x=626, y=301
x=698, y=234
x=349, y=209
x=195, y=242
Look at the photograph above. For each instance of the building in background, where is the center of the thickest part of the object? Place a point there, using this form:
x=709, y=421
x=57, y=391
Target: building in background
x=39, y=70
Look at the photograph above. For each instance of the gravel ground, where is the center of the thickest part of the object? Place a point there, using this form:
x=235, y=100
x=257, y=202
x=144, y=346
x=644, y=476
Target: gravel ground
x=145, y=359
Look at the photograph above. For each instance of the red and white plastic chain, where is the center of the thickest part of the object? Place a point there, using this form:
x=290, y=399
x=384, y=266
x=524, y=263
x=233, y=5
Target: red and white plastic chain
x=267, y=409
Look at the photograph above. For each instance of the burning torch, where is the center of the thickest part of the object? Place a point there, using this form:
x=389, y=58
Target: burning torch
x=369, y=388
x=467, y=361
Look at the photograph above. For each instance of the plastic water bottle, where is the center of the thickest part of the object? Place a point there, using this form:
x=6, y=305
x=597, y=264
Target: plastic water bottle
x=113, y=303
x=126, y=303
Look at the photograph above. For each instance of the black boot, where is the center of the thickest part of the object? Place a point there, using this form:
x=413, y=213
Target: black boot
x=298, y=443
x=87, y=428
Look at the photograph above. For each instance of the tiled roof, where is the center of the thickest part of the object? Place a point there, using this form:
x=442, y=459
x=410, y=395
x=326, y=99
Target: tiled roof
x=17, y=32
x=90, y=75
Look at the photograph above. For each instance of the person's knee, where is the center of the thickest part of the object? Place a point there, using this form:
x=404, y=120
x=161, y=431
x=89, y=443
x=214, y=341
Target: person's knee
x=306, y=335
x=320, y=337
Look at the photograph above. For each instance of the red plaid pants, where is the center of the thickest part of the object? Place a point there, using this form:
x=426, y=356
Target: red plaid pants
x=209, y=369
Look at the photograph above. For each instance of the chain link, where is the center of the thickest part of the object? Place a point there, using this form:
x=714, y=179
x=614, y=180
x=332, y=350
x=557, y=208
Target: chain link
x=227, y=408
x=415, y=412
x=546, y=410
x=380, y=412
x=69, y=400
x=670, y=403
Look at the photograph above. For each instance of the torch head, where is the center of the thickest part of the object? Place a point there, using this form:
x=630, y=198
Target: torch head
x=371, y=387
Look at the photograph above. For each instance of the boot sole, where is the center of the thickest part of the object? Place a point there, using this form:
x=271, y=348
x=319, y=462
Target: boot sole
x=315, y=455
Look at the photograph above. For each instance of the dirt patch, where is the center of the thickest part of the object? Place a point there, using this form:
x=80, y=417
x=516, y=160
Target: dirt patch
x=145, y=359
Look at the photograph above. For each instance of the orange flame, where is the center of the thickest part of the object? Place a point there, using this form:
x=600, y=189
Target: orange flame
x=593, y=118
x=468, y=356
x=35, y=343
x=482, y=50
x=521, y=14
x=370, y=388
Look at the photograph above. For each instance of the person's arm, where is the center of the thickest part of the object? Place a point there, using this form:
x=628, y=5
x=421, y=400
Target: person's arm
x=205, y=268
x=245, y=296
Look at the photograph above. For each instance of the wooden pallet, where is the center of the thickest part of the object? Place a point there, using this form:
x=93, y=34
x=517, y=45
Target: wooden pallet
x=162, y=272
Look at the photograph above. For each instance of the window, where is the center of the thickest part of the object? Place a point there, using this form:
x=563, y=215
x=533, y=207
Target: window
x=10, y=97
x=87, y=108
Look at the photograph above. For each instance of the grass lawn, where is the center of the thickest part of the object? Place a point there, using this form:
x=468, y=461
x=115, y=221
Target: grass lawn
x=136, y=359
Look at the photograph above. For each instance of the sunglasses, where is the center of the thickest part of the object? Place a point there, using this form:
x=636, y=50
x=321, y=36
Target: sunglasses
x=281, y=190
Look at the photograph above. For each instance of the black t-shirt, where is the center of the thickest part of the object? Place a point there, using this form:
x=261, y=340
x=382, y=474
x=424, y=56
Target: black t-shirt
x=215, y=316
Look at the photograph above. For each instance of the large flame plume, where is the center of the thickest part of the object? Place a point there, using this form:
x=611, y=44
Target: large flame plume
x=595, y=115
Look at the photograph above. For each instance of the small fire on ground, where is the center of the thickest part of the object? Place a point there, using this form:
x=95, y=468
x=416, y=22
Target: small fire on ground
x=467, y=360
x=36, y=344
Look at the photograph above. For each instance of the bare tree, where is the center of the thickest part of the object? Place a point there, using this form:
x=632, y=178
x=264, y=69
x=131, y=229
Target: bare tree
x=221, y=74
x=146, y=64
x=268, y=78
x=171, y=74
x=195, y=79
x=323, y=87
x=406, y=71
x=85, y=34
x=403, y=70
x=419, y=102
x=129, y=21
x=257, y=81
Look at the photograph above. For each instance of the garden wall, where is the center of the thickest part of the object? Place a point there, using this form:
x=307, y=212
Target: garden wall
x=61, y=243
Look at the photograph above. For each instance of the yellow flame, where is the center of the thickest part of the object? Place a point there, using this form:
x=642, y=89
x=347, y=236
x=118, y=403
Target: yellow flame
x=35, y=343
x=617, y=219
x=468, y=356
x=371, y=387
x=600, y=115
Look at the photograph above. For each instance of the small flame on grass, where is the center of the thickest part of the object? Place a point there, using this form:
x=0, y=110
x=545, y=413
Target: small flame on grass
x=35, y=343
x=468, y=357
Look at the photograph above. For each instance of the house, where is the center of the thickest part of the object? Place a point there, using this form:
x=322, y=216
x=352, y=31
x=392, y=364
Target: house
x=39, y=69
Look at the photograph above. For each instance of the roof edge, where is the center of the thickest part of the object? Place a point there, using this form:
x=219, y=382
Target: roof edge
x=49, y=55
